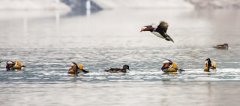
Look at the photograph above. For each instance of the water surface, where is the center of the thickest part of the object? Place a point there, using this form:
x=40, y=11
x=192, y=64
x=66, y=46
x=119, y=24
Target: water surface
x=47, y=44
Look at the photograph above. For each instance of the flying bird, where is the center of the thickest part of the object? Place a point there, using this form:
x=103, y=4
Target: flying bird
x=160, y=31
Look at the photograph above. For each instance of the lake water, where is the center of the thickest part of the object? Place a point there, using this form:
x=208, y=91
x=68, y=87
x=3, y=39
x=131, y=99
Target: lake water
x=47, y=43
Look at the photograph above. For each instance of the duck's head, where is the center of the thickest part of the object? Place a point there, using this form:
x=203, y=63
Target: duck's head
x=166, y=62
x=9, y=65
x=163, y=24
x=10, y=62
x=80, y=66
x=126, y=67
x=74, y=66
x=208, y=59
x=147, y=28
x=225, y=44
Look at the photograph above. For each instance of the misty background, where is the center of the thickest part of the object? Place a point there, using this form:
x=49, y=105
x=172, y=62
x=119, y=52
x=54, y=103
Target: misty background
x=211, y=22
x=47, y=35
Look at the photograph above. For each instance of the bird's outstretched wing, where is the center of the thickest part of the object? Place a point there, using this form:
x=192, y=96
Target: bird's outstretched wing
x=168, y=38
x=162, y=29
x=163, y=36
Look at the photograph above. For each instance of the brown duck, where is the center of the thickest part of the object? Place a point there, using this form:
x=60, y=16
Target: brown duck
x=222, y=46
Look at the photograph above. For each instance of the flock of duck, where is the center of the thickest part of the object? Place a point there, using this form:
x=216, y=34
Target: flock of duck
x=168, y=66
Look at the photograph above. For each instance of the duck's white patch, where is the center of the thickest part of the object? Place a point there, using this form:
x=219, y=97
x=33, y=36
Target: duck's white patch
x=143, y=28
x=9, y=62
x=158, y=34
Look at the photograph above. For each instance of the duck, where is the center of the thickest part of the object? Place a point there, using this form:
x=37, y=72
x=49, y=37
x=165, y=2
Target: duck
x=169, y=66
x=117, y=70
x=221, y=46
x=160, y=31
x=210, y=65
x=12, y=65
x=75, y=68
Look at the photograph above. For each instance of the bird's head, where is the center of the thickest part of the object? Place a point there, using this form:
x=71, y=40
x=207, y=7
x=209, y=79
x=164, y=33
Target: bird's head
x=126, y=67
x=225, y=44
x=208, y=59
x=147, y=28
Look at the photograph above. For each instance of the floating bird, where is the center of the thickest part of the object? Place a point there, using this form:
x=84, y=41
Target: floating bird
x=75, y=68
x=116, y=70
x=160, y=31
x=12, y=65
x=169, y=66
x=222, y=46
x=209, y=64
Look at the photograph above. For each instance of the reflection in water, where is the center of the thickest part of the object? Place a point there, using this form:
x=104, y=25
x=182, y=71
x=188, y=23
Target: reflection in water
x=57, y=18
x=26, y=17
x=210, y=95
x=88, y=7
x=82, y=7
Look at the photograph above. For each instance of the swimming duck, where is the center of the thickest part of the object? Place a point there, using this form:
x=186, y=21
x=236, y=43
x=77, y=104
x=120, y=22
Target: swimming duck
x=116, y=70
x=75, y=68
x=160, y=31
x=11, y=65
x=222, y=46
x=169, y=66
x=209, y=64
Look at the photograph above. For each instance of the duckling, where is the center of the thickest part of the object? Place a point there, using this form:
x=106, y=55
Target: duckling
x=222, y=46
x=116, y=70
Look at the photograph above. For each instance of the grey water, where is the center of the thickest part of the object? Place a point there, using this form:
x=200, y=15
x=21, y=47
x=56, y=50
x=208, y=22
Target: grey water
x=47, y=43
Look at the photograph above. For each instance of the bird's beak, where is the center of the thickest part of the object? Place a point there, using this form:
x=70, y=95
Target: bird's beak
x=143, y=29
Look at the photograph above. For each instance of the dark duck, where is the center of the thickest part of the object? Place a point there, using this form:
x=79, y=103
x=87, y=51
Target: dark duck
x=117, y=70
x=159, y=31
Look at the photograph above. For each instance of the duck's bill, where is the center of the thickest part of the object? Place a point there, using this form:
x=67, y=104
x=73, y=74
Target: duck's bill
x=147, y=28
x=143, y=29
